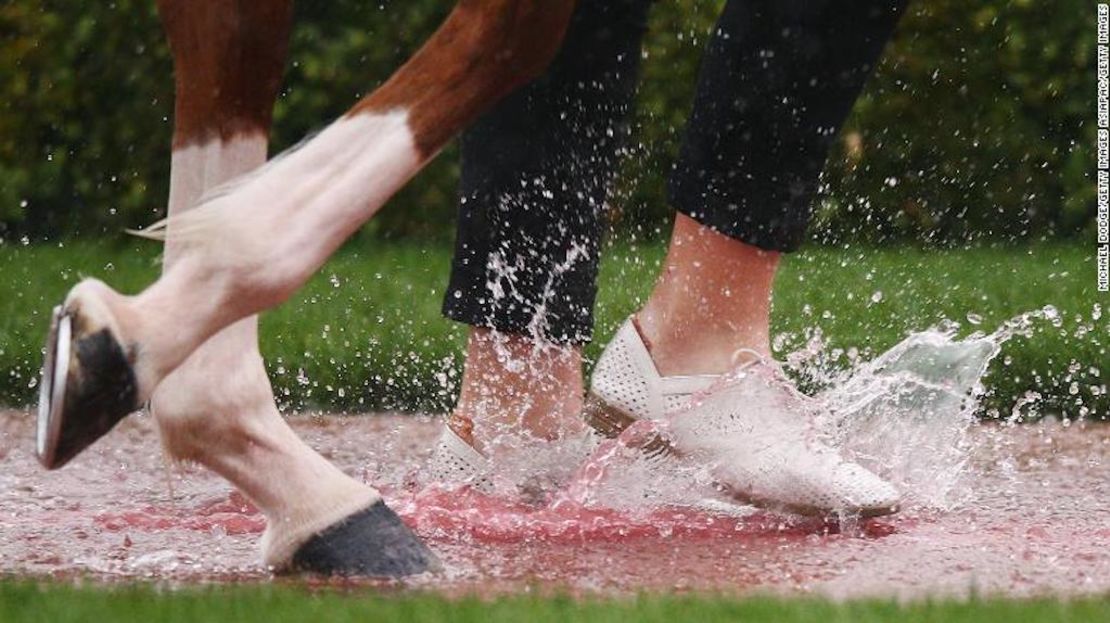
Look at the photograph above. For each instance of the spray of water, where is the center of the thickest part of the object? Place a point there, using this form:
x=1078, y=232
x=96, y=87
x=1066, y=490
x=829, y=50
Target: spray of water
x=907, y=414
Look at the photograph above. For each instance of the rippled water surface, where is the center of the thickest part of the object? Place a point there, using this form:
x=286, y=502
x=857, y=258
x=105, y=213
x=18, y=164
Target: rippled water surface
x=1032, y=515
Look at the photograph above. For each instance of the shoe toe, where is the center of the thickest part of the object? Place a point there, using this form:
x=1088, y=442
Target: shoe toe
x=865, y=492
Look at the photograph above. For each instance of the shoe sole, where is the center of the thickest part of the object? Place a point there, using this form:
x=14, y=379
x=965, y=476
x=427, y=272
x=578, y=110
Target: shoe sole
x=87, y=387
x=610, y=422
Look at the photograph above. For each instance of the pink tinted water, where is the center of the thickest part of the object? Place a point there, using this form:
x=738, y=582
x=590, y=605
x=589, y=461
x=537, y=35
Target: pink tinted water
x=1036, y=520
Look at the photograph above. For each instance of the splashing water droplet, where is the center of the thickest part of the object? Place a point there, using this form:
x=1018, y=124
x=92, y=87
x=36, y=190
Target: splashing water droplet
x=907, y=413
x=1051, y=314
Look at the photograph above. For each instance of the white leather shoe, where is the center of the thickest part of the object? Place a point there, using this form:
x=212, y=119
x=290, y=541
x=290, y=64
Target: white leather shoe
x=751, y=425
x=454, y=462
x=626, y=386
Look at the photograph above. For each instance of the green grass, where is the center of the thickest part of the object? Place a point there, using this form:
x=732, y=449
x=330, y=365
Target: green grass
x=24, y=602
x=366, y=332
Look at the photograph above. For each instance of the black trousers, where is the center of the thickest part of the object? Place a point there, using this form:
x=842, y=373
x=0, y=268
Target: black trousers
x=777, y=81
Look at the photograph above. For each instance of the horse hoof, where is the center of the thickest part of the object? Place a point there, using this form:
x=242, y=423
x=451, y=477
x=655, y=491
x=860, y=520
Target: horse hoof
x=373, y=542
x=88, y=384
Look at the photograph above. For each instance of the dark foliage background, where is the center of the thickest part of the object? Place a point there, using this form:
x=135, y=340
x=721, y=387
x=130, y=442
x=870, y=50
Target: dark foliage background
x=976, y=125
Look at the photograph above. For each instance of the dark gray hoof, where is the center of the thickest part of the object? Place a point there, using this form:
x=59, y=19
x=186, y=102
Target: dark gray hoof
x=88, y=386
x=372, y=542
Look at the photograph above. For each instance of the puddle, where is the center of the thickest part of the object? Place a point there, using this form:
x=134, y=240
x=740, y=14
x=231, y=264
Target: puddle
x=1031, y=519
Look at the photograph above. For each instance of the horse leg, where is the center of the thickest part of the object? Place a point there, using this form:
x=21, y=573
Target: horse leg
x=250, y=247
x=217, y=409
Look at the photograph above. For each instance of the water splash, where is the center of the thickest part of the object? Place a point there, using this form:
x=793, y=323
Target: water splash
x=907, y=414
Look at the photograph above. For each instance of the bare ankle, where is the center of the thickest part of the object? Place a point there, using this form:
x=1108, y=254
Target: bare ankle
x=696, y=350
x=462, y=426
x=514, y=385
x=712, y=298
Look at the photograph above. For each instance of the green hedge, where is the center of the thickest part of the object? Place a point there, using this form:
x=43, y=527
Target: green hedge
x=977, y=124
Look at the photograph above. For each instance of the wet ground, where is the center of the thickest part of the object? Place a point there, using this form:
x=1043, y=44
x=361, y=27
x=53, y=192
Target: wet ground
x=1036, y=521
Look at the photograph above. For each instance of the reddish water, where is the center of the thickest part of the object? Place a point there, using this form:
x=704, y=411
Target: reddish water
x=1037, y=521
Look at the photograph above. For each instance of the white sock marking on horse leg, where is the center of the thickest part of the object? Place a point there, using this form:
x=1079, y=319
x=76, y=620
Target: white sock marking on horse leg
x=250, y=245
x=198, y=168
x=217, y=408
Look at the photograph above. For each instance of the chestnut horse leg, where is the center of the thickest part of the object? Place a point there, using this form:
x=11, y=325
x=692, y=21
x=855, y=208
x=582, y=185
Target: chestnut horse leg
x=250, y=246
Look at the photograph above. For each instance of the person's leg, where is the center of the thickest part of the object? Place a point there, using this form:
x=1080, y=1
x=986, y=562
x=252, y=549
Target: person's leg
x=777, y=82
x=535, y=174
x=712, y=297
x=515, y=384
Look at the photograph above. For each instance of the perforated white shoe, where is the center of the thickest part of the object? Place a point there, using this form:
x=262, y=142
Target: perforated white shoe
x=454, y=463
x=532, y=471
x=626, y=386
x=756, y=431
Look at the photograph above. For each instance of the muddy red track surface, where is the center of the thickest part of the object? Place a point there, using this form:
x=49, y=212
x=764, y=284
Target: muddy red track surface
x=1038, y=523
